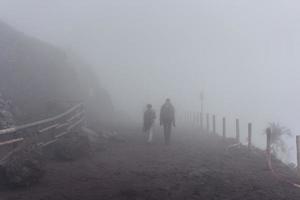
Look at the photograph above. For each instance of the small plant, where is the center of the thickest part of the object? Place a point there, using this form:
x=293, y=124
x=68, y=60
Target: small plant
x=278, y=145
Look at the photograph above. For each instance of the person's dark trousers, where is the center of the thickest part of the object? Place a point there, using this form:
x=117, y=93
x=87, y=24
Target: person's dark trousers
x=167, y=132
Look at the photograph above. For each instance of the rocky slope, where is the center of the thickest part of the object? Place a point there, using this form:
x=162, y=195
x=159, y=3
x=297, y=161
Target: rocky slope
x=42, y=80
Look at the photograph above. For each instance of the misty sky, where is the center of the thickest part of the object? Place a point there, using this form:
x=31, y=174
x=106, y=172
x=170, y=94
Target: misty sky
x=244, y=54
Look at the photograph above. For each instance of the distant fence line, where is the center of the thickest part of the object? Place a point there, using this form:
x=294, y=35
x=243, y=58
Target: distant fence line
x=204, y=120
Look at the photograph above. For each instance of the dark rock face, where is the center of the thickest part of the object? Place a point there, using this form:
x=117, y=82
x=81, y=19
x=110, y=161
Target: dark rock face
x=40, y=80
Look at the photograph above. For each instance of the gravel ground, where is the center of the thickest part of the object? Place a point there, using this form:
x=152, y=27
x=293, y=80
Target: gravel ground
x=194, y=166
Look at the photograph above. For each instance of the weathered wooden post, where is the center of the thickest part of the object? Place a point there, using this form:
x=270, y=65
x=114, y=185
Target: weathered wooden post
x=214, y=124
x=237, y=130
x=224, y=128
x=268, y=149
x=249, y=135
x=298, y=152
x=207, y=123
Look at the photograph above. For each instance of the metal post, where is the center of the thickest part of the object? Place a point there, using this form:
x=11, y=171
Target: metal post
x=224, y=128
x=268, y=149
x=201, y=121
x=214, y=124
x=207, y=123
x=298, y=152
x=201, y=114
x=237, y=129
x=249, y=135
x=193, y=118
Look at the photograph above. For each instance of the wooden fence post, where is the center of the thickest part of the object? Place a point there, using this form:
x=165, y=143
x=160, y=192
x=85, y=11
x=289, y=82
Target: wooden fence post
x=214, y=124
x=268, y=131
x=249, y=135
x=237, y=129
x=224, y=128
x=298, y=152
x=207, y=123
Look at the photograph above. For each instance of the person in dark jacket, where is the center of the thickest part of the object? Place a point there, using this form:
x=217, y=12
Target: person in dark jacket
x=149, y=119
x=167, y=119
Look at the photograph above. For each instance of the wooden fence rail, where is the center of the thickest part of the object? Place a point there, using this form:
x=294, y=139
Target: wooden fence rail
x=44, y=131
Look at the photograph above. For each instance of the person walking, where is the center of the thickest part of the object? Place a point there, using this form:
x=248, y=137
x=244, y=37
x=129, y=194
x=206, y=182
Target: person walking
x=167, y=119
x=149, y=119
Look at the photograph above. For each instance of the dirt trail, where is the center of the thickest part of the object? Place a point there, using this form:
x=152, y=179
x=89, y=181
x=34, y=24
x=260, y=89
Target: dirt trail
x=193, y=167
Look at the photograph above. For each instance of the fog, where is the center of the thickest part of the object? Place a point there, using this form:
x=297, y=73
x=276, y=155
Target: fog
x=242, y=54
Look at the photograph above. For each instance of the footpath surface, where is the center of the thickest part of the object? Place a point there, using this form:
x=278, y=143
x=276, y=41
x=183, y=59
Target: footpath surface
x=194, y=167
